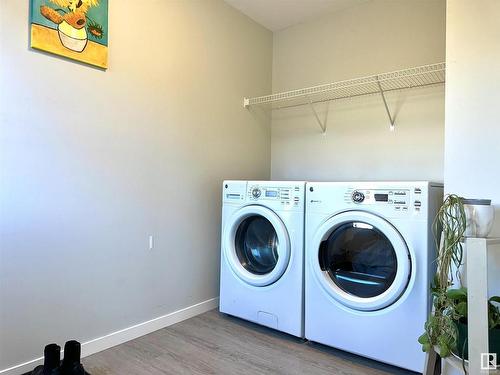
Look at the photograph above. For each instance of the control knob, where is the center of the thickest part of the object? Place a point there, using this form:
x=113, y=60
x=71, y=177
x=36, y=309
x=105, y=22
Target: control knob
x=358, y=197
x=256, y=193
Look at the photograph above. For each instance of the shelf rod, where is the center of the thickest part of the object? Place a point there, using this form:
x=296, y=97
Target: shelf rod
x=391, y=119
x=321, y=124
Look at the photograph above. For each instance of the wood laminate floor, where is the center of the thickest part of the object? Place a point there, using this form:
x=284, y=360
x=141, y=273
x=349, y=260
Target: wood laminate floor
x=214, y=343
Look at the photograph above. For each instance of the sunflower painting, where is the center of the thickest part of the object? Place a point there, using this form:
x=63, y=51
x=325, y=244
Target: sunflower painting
x=76, y=29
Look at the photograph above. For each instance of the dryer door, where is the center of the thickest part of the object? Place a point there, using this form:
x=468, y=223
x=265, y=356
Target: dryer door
x=256, y=245
x=361, y=260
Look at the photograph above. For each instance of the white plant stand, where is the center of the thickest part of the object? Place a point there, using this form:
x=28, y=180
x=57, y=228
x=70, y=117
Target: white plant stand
x=477, y=301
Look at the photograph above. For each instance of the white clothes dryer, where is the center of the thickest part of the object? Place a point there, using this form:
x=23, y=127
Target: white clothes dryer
x=370, y=256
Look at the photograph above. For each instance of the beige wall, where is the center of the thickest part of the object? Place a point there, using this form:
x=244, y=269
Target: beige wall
x=93, y=162
x=379, y=36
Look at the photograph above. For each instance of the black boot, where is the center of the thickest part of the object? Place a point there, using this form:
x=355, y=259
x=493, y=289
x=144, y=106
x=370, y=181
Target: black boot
x=71, y=363
x=52, y=360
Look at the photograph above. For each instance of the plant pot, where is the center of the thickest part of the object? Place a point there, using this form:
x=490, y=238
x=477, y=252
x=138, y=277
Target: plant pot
x=462, y=347
x=479, y=215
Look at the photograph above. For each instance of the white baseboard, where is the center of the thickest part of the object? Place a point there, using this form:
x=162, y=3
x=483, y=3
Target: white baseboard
x=124, y=335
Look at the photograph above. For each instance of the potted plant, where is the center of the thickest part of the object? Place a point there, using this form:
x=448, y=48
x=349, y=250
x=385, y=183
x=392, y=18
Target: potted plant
x=459, y=314
x=446, y=328
x=440, y=328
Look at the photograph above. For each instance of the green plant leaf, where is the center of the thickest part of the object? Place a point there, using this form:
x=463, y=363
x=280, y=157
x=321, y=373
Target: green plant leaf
x=424, y=339
x=444, y=351
x=457, y=294
x=461, y=309
x=495, y=299
x=426, y=347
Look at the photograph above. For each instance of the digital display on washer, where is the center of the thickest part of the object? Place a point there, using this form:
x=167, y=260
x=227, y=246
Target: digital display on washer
x=271, y=194
x=381, y=197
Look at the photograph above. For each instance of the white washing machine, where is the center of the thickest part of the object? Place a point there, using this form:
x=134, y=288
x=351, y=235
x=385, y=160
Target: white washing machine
x=369, y=262
x=262, y=253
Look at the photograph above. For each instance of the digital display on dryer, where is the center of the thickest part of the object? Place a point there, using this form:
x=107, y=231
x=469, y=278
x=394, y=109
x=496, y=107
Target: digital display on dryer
x=271, y=194
x=381, y=197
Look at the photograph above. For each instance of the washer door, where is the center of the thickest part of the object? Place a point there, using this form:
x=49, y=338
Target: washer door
x=256, y=245
x=361, y=260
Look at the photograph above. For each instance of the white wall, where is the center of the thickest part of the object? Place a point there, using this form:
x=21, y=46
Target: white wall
x=472, y=148
x=92, y=162
x=379, y=36
x=472, y=130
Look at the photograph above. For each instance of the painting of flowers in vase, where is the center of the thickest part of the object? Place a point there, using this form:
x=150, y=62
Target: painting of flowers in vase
x=75, y=29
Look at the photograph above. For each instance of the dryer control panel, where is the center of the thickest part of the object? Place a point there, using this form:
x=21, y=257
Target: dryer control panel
x=391, y=199
x=399, y=199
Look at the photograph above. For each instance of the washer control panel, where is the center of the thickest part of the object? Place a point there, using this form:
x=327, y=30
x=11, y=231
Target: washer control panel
x=286, y=195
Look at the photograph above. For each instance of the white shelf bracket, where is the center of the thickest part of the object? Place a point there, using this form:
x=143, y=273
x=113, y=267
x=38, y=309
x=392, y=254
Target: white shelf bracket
x=392, y=120
x=321, y=124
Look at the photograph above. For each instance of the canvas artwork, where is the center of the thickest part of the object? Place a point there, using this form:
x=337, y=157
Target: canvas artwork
x=76, y=29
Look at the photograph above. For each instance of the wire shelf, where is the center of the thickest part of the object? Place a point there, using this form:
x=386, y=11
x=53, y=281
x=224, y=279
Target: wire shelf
x=420, y=76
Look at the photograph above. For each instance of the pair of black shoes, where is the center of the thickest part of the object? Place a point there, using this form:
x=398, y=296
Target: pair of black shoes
x=70, y=365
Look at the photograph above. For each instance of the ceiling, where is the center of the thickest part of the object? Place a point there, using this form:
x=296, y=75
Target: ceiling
x=280, y=14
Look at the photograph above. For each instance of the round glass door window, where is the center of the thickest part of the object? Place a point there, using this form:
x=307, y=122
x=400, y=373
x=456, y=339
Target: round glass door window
x=256, y=245
x=359, y=259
